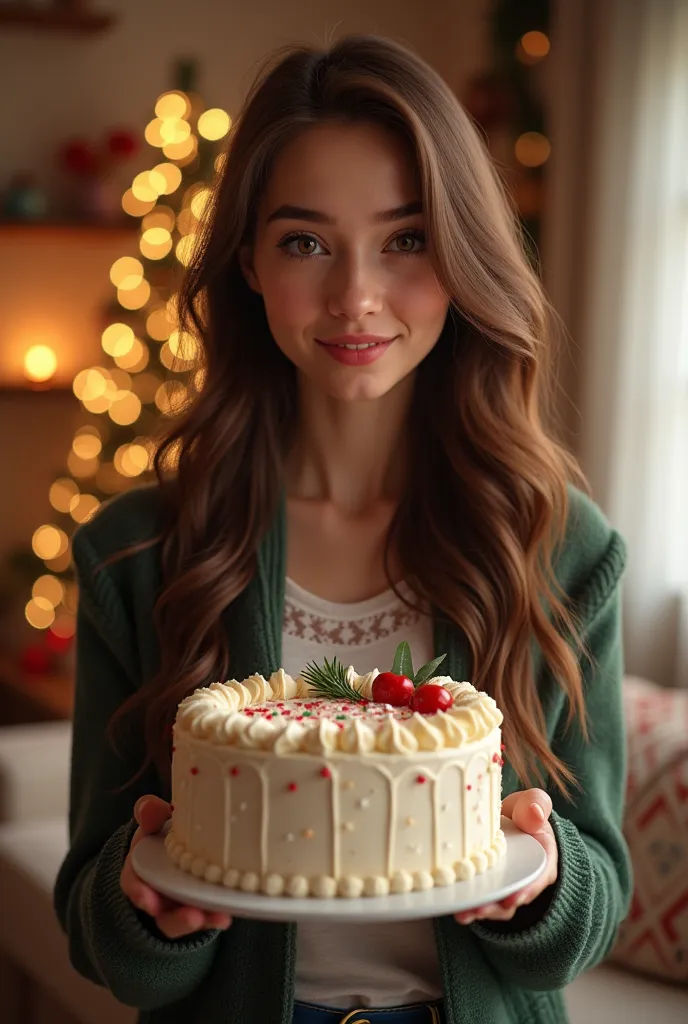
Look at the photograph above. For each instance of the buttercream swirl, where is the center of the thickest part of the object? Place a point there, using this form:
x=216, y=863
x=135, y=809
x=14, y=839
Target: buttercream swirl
x=217, y=713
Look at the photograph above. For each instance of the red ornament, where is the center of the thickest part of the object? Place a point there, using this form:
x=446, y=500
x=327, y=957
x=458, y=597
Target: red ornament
x=121, y=143
x=420, y=779
x=292, y=787
x=79, y=157
x=389, y=688
x=431, y=698
x=58, y=644
x=36, y=661
x=326, y=773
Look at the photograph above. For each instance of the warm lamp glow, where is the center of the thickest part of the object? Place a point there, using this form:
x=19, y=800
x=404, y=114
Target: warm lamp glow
x=40, y=363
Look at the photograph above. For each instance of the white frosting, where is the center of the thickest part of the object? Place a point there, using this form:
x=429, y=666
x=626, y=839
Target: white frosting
x=218, y=713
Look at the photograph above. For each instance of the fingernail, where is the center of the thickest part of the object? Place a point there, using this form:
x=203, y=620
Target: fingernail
x=538, y=811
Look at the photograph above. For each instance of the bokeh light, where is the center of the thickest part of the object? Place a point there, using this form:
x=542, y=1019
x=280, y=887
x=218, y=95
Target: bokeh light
x=49, y=541
x=117, y=339
x=172, y=104
x=61, y=493
x=125, y=408
x=40, y=363
x=134, y=298
x=136, y=207
x=49, y=588
x=126, y=273
x=213, y=124
x=532, y=149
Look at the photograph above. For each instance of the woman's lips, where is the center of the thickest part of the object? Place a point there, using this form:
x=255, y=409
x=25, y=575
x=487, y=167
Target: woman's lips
x=356, y=353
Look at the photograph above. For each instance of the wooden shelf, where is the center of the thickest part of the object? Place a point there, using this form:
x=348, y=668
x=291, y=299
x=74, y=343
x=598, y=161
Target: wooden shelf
x=21, y=390
x=61, y=19
x=76, y=228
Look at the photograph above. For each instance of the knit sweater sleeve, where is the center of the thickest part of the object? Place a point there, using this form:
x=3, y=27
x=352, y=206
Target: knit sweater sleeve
x=110, y=941
x=573, y=925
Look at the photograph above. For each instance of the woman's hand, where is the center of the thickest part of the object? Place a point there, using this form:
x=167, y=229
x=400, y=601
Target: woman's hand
x=529, y=809
x=173, y=919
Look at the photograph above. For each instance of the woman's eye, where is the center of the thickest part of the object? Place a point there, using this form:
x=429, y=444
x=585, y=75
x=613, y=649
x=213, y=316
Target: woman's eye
x=412, y=237
x=306, y=245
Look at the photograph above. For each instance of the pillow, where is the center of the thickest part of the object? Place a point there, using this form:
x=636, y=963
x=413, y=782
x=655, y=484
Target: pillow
x=654, y=937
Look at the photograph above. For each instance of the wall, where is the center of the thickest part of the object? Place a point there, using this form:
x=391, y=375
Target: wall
x=62, y=86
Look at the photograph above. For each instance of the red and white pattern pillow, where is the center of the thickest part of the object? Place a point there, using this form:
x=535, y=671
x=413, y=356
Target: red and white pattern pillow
x=654, y=937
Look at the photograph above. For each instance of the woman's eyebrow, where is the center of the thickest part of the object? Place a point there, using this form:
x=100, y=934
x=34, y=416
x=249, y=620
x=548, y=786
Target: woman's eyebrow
x=290, y=212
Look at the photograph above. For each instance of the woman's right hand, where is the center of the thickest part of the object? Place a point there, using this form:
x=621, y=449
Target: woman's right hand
x=173, y=919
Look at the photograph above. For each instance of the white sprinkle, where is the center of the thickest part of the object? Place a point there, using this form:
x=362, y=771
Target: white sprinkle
x=348, y=826
x=364, y=802
x=445, y=807
x=243, y=805
x=290, y=837
x=447, y=846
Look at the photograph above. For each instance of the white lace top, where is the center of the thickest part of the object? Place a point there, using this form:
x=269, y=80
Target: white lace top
x=348, y=965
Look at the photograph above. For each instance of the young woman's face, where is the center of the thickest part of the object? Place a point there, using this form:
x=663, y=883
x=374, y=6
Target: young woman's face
x=330, y=268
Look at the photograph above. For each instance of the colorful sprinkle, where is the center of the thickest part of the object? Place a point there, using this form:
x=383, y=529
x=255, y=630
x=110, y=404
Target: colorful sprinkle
x=326, y=773
x=194, y=770
x=496, y=758
x=502, y=746
x=172, y=807
x=469, y=786
x=292, y=787
x=420, y=778
x=234, y=770
x=308, y=833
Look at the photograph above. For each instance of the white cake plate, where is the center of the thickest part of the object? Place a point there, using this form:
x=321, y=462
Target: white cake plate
x=523, y=861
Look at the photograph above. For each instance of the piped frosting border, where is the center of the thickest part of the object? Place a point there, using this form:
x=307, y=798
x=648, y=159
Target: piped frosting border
x=214, y=713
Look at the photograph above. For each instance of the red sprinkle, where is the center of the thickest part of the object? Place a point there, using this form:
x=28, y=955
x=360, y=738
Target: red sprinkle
x=286, y=711
x=501, y=762
x=194, y=770
x=496, y=759
x=363, y=702
x=469, y=786
x=234, y=770
x=292, y=787
x=420, y=778
x=173, y=749
x=326, y=773
x=502, y=746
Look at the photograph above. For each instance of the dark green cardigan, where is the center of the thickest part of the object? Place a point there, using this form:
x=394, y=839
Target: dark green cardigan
x=492, y=973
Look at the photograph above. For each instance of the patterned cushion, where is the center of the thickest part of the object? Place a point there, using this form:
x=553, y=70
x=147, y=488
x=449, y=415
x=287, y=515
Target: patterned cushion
x=654, y=937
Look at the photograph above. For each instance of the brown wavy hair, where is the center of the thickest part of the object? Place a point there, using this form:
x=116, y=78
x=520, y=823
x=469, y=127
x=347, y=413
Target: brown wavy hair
x=487, y=479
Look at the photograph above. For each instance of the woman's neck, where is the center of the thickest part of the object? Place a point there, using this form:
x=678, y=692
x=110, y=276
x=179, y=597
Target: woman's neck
x=350, y=453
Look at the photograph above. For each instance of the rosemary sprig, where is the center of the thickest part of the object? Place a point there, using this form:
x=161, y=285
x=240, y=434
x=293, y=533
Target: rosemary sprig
x=329, y=680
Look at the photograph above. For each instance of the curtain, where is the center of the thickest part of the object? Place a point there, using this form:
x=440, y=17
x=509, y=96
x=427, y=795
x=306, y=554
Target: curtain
x=617, y=248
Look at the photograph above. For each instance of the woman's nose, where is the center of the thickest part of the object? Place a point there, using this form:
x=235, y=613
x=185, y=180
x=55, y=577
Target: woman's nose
x=354, y=290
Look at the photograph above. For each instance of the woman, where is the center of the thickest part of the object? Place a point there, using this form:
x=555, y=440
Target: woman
x=370, y=439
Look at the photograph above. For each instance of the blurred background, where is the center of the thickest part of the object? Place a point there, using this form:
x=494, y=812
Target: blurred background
x=113, y=117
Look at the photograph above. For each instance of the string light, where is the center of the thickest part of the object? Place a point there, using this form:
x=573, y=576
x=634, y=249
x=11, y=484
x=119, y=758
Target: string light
x=119, y=394
x=214, y=124
x=532, y=47
x=532, y=149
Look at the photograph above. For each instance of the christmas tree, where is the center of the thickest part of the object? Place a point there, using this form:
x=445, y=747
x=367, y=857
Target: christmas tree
x=149, y=368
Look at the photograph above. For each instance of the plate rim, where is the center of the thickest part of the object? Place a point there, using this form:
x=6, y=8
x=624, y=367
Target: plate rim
x=171, y=881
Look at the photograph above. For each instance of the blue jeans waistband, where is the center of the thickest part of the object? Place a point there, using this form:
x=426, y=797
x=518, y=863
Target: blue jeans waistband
x=418, y=1013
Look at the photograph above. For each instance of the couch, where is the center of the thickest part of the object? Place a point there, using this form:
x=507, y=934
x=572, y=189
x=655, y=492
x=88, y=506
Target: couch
x=38, y=985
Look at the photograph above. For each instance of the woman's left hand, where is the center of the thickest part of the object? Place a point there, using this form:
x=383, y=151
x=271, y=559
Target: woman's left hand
x=529, y=809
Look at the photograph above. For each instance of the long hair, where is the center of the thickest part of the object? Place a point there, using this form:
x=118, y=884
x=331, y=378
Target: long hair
x=487, y=478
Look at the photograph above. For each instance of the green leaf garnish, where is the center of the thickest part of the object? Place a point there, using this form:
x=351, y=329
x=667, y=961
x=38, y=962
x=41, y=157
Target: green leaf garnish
x=329, y=680
x=403, y=662
x=427, y=671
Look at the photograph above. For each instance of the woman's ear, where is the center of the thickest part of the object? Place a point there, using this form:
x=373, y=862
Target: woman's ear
x=247, y=269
